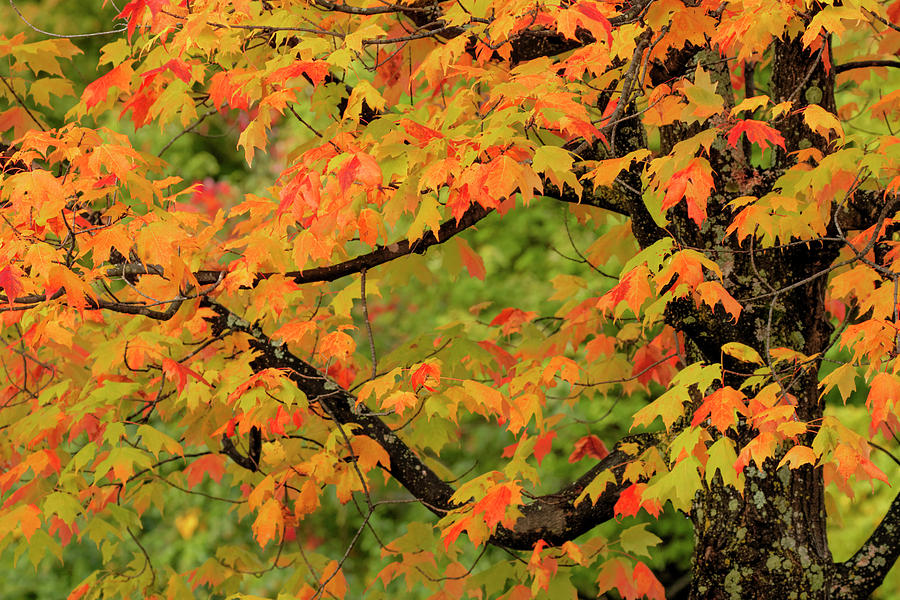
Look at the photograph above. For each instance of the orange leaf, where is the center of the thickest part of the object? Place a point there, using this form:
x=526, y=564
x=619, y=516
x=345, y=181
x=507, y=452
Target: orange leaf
x=97, y=91
x=633, y=289
x=712, y=292
x=565, y=367
x=694, y=184
x=399, y=401
x=269, y=523
x=720, y=407
x=471, y=260
x=337, y=344
x=883, y=399
x=495, y=503
x=798, y=456
x=333, y=581
x=646, y=583
x=29, y=518
x=757, y=132
x=211, y=464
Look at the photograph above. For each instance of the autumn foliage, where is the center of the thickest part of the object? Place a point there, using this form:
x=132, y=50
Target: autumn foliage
x=726, y=174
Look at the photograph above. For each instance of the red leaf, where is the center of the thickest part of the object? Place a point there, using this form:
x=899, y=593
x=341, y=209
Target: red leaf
x=510, y=450
x=180, y=373
x=594, y=21
x=79, y=592
x=589, y=445
x=512, y=319
x=757, y=132
x=10, y=283
x=211, y=464
x=420, y=378
x=97, y=91
x=315, y=71
x=543, y=446
x=893, y=12
x=629, y=502
x=134, y=11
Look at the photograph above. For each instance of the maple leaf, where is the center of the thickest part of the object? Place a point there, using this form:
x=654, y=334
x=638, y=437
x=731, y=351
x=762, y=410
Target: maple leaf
x=472, y=261
x=694, y=185
x=883, y=399
x=757, y=132
x=315, y=71
x=566, y=368
x=630, y=502
x=646, y=584
x=798, y=456
x=512, y=319
x=420, y=133
x=633, y=289
x=615, y=575
x=211, y=464
x=721, y=407
x=426, y=375
x=11, y=284
x=496, y=504
x=337, y=345
x=180, y=373
x=543, y=446
x=712, y=292
x=821, y=121
x=134, y=10
x=269, y=522
x=399, y=401
x=589, y=445
x=96, y=92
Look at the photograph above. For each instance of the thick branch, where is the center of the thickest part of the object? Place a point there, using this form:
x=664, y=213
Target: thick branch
x=865, y=571
x=608, y=197
x=553, y=517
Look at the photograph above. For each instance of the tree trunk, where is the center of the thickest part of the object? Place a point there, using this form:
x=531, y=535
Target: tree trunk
x=769, y=544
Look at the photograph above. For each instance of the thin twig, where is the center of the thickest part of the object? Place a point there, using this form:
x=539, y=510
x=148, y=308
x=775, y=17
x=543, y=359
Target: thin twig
x=365, y=308
x=60, y=35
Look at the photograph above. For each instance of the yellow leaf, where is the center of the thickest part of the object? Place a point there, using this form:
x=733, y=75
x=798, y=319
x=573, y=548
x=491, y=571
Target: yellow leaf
x=821, y=121
x=742, y=352
x=749, y=104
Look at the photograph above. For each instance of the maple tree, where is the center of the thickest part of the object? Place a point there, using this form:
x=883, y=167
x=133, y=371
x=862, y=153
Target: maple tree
x=733, y=165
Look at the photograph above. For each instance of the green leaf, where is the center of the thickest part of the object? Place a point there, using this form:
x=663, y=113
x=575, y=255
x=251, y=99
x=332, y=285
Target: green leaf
x=636, y=540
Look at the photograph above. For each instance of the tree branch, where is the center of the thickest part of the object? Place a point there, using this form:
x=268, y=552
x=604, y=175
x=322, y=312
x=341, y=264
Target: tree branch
x=379, y=256
x=862, y=64
x=865, y=571
x=553, y=517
